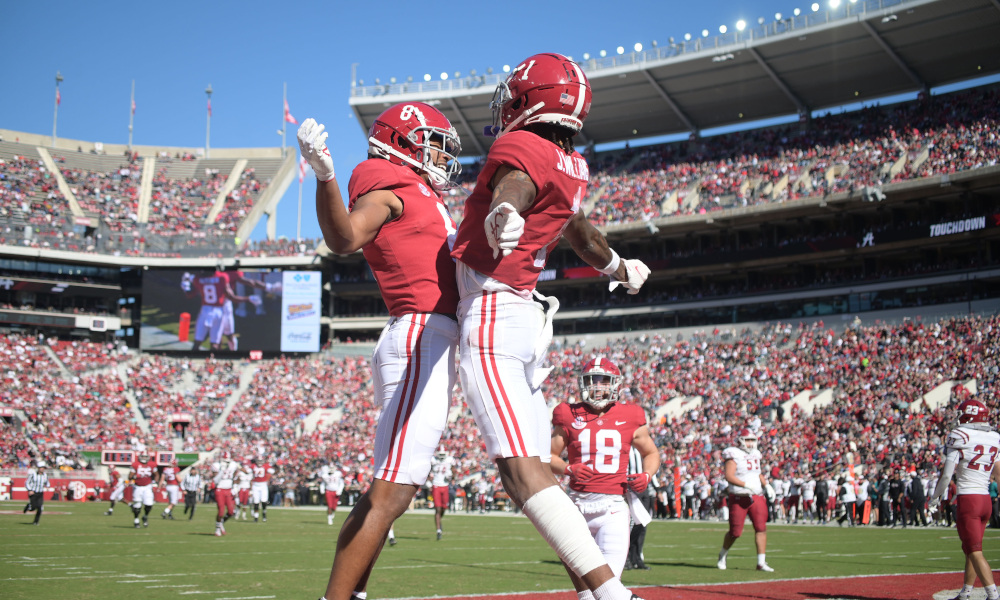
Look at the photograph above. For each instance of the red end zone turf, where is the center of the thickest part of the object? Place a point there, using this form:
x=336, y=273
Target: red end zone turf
x=873, y=587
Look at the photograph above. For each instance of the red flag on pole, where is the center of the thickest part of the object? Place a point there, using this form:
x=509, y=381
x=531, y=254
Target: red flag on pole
x=288, y=115
x=210, y=107
x=58, y=97
x=302, y=168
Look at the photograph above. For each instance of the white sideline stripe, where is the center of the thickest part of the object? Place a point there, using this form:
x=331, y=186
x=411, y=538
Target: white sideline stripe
x=140, y=580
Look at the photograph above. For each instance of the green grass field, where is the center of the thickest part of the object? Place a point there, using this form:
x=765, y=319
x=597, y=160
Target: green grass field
x=87, y=555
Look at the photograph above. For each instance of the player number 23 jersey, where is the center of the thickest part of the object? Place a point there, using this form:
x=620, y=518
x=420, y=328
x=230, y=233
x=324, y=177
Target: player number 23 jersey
x=975, y=451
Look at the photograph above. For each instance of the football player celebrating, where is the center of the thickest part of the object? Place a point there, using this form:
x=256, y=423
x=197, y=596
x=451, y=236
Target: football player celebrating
x=168, y=478
x=971, y=456
x=528, y=196
x=225, y=476
x=598, y=435
x=143, y=472
x=215, y=290
x=746, y=486
x=399, y=220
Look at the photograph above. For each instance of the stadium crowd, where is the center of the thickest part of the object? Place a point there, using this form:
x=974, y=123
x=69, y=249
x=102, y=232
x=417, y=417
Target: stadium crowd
x=741, y=378
x=853, y=151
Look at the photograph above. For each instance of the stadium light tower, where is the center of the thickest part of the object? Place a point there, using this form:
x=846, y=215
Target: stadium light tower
x=208, y=125
x=55, y=113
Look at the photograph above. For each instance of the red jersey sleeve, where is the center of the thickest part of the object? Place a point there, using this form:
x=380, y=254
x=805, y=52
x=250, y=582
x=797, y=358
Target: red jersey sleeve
x=373, y=174
x=562, y=416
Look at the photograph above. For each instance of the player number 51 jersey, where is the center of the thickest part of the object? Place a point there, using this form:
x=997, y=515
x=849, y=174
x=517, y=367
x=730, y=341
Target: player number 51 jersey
x=747, y=468
x=975, y=450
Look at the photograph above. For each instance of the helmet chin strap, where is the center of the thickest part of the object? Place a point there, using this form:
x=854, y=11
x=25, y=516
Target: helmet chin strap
x=524, y=116
x=438, y=180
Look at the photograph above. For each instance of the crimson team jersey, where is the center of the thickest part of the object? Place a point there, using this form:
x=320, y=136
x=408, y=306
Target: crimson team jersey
x=974, y=451
x=410, y=255
x=212, y=288
x=561, y=181
x=170, y=474
x=144, y=472
x=262, y=473
x=603, y=442
x=115, y=477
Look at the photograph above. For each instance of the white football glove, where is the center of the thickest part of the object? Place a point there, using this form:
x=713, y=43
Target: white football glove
x=312, y=144
x=637, y=271
x=186, y=280
x=504, y=227
x=255, y=300
x=273, y=288
x=769, y=493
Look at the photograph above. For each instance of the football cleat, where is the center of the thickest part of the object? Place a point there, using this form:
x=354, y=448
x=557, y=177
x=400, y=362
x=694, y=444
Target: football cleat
x=218, y=532
x=392, y=541
x=722, y=563
x=439, y=535
x=764, y=567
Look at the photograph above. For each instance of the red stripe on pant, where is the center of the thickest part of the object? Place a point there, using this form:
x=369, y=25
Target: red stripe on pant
x=407, y=397
x=489, y=315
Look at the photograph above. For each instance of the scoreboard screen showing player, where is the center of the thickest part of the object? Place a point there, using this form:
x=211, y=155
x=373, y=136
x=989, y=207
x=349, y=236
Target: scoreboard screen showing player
x=237, y=311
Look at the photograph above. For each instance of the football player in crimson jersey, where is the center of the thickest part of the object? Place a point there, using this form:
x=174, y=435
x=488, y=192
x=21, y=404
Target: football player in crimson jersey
x=117, y=486
x=143, y=473
x=398, y=219
x=168, y=478
x=747, y=484
x=528, y=196
x=214, y=290
x=971, y=458
x=598, y=434
x=262, y=473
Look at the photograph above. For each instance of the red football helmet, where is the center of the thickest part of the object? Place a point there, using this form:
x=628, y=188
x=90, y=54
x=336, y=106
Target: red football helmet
x=227, y=455
x=747, y=439
x=403, y=135
x=545, y=88
x=972, y=411
x=599, y=382
x=144, y=456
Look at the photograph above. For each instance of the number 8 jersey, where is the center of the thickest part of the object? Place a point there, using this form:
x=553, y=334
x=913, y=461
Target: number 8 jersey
x=410, y=256
x=974, y=451
x=601, y=441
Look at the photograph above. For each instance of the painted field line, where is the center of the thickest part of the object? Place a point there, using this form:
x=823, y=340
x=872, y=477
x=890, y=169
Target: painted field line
x=140, y=581
x=179, y=585
x=206, y=592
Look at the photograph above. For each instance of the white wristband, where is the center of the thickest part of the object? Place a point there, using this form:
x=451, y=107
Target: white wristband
x=613, y=265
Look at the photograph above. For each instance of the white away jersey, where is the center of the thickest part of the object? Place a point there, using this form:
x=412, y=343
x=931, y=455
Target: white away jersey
x=225, y=474
x=441, y=470
x=334, y=481
x=243, y=477
x=747, y=468
x=974, y=451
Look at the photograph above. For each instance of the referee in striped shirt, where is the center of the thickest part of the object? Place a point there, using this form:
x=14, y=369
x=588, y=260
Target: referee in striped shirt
x=637, y=538
x=191, y=485
x=36, y=484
